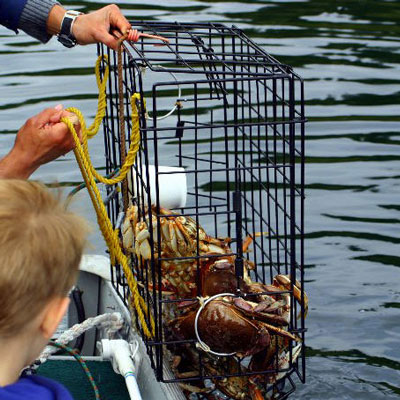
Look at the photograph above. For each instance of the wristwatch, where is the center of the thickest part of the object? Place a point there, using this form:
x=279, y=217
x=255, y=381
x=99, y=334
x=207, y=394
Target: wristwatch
x=65, y=36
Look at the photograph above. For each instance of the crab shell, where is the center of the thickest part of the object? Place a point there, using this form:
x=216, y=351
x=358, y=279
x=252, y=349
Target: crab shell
x=224, y=329
x=176, y=245
x=178, y=235
x=218, y=276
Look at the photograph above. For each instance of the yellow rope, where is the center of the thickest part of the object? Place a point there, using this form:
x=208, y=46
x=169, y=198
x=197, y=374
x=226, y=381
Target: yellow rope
x=89, y=175
x=101, y=103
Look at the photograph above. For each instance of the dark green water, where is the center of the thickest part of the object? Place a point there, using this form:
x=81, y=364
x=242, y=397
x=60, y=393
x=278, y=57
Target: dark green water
x=349, y=54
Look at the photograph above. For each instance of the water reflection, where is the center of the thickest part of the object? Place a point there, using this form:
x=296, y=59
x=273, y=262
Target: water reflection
x=348, y=53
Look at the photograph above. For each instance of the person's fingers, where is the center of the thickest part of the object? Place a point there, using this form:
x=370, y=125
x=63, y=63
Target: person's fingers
x=68, y=114
x=104, y=37
x=116, y=33
x=45, y=116
x=74, y=119
x=61, y=137
x=55, y=117
x=95, y=27
x=117, y=20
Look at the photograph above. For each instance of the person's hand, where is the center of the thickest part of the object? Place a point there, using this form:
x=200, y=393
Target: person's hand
x=41, y=139
x=95, y=27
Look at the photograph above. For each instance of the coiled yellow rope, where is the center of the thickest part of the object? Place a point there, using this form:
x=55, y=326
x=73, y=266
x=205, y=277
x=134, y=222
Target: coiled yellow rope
x=89, y=175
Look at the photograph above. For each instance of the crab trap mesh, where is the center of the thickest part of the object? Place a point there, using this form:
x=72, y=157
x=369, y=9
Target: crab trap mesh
x=214, y=207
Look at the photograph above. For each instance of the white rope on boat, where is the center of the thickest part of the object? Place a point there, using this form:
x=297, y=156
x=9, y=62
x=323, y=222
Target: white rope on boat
x=112, y=322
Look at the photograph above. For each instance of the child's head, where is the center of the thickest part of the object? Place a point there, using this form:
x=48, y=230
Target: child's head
x=41, y=245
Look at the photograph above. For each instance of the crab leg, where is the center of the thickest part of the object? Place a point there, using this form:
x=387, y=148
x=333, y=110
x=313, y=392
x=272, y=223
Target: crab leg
x=249, y=239
x=281, y=331
x=283, y=361
x=284, y=282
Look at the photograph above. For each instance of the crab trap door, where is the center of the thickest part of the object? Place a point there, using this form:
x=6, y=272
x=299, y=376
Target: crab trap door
x=213, y=103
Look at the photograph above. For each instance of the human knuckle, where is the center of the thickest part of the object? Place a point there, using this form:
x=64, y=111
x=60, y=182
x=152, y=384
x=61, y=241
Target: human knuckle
x=30, y=122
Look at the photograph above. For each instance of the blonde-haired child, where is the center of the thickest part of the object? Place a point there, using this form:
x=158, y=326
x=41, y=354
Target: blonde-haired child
x=41, y=245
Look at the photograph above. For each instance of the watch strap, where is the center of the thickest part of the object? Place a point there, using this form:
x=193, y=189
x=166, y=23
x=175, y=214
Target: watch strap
x=66, y=36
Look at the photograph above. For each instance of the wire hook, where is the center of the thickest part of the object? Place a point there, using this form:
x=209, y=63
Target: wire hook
x=204, y=346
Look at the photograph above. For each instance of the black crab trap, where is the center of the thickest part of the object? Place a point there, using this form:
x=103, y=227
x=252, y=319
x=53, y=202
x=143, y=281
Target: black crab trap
x=213, y=206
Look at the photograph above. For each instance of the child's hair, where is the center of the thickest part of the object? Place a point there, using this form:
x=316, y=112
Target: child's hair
x=41, y=245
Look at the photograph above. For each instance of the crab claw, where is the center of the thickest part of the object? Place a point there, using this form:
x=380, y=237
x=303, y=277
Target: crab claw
x=219, y=277
x=255, y=310
x=284, y=282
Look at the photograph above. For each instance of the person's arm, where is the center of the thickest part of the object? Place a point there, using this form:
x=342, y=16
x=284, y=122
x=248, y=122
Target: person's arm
x=10, y=13
x=34, y=17
x=41, y=139
x=42, y=19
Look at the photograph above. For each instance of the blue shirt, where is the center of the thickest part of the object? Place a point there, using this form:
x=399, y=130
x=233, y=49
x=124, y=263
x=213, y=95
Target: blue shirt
x=29, y=15
x=34, y=388
x=10, y=12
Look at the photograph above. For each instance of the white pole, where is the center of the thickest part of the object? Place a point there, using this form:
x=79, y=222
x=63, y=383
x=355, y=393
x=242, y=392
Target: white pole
x=131, y=384
x=119, y=352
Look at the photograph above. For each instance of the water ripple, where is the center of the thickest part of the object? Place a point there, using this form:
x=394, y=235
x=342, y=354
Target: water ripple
x=348, y=53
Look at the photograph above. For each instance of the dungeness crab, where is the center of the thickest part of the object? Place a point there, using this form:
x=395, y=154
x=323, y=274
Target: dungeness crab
x=232, y=315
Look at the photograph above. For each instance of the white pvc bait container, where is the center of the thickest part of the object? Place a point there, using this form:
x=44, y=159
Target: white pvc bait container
x=172, y=186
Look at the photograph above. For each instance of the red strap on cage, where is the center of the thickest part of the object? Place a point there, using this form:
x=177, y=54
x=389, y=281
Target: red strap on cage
x=134, y=35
